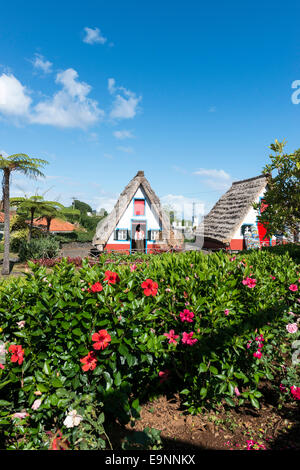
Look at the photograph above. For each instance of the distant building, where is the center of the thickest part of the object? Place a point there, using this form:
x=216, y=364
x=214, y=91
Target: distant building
x=56, y=225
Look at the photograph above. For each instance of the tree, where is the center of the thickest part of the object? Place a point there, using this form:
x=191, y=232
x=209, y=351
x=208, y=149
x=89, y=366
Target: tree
x=280, y=207
x=29, y=167
x=36, y=205
x=83, y=207
x=70, y=214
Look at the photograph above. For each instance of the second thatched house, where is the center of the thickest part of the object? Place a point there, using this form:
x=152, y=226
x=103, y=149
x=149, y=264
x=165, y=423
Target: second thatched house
x=137, y=222
x=233, y=221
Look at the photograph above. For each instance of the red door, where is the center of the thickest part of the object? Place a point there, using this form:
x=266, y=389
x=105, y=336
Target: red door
x=261, y=228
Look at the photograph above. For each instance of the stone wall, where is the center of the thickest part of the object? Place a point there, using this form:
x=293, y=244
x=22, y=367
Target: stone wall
x=74, y=249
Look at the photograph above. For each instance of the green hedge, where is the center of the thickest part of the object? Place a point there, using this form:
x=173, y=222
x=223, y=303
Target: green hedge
x=61, y=313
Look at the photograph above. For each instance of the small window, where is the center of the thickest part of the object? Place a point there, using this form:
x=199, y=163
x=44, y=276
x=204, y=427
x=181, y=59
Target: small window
x=246, y=228
x=139, y=207
x=154, y=235
x=122, y=234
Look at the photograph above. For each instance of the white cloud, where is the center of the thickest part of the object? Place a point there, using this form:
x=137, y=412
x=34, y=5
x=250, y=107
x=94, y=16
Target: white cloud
x=125, y=105
x=94, y=36
x=216, y=179
x=220, y=174
x=106, y=200
x=123, y=135
x=126, y=149
x=183, y=205
x=14, y=99
x=111, y=85
x=39, y=62
x=68, y=79
x=69, y=107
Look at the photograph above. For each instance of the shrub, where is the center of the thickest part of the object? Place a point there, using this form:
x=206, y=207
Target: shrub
x=38, y=248
x=66, y=237
x=121, y=332
x=17, y=238
x=85, y=236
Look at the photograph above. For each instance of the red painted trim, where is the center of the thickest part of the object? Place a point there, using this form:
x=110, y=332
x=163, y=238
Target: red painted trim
x=237, y=244
x=124, y=247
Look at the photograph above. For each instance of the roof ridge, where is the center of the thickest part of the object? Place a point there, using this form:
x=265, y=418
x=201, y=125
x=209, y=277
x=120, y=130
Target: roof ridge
x=264, y=175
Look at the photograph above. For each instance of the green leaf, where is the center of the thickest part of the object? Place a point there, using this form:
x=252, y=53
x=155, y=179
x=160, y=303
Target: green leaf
x=5, y=403
x=56, y=382
x=254, y=402
x=202, y=367
x=46, y=368
x=118, y=379
x=77, y=332
x=229, y=401
x=109, y=380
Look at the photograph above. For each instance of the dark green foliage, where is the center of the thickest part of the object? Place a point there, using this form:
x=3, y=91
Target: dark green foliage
x=46, y=247
x=83, y=207
x=61, y=316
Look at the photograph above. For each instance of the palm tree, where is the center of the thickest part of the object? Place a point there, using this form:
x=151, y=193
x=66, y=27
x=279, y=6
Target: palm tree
x=29, y=167
x=36, y=205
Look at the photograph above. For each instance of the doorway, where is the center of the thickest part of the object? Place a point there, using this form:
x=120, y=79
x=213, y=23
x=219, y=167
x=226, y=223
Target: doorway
x=138, y=236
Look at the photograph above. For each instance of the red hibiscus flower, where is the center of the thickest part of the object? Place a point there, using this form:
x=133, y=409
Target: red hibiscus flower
x=57, y=441
x=293, y=287
x=257, y=354
x=150, y=287
x=17, y=353
x=97, y=287
x=164, y=375
x=111, y=277
x=295, y=391
x=249, y=282
x=89, y=361
x=186, y=315
x=187, y=338
x=102, y=339
x=172, y=337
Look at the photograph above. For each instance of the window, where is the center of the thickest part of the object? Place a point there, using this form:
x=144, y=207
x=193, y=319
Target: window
x=246, y=228
x=139, y=207
x=153, y=235
x=122, y=234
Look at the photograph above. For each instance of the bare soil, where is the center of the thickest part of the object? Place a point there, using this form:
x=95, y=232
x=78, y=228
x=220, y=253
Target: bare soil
x=226, y=429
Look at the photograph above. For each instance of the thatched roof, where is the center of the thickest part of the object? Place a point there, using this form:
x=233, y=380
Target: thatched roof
x=109, y=223
x=228, y=213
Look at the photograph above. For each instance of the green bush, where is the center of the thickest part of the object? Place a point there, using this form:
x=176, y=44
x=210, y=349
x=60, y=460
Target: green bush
x=38, y=248
x=62, y=311
x=66, y=237
x=85, y=236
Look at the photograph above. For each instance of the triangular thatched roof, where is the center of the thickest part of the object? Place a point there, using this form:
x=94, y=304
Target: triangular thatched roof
x=108, y=224
x=228, y=213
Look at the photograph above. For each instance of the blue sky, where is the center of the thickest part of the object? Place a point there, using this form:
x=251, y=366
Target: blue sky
x=191, y=92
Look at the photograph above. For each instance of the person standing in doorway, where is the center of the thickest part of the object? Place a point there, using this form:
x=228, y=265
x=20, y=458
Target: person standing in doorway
x=139, y=238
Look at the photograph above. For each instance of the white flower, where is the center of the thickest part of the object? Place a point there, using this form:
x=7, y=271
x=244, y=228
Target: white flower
x=21, y=324
x=36, y=404
x=72, y=419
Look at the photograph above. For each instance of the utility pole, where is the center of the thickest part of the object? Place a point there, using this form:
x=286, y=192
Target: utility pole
x=193, y=217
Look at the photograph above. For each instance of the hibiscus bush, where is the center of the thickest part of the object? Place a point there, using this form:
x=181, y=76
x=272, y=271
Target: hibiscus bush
x=83, y=343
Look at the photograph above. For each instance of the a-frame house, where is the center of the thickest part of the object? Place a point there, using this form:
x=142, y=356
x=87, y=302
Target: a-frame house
x=137, y=222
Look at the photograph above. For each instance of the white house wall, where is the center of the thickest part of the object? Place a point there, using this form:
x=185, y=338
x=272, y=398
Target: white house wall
x=249, y=219
x=126, y=219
